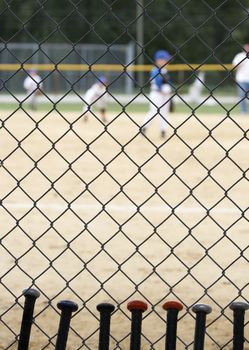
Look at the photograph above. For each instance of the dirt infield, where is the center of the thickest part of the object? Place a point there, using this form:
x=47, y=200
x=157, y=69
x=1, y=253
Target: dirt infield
x=66, y=225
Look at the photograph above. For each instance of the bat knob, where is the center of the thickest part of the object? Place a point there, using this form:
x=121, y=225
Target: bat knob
x=239, y=305
x=32, y=293
x=137, y=305
x=172, y=304
x=105, y=307
x=67, y=305
x=202, y=308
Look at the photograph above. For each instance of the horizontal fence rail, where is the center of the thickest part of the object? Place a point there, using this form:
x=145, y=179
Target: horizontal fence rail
x=115, y=67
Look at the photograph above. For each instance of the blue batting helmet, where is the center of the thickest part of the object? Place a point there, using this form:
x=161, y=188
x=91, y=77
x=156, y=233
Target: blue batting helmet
x=162, y=55
x=102, y=79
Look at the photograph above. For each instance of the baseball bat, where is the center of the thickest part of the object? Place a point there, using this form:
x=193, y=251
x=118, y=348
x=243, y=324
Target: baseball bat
x=105, y=310
x=201, y=311
x=172, y=308
x=27, y=318
x=239, y=308
x=136, y=307
x=67, y=307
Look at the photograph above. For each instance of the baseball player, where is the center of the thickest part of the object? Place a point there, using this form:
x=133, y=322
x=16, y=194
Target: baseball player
x=32, y=84
x=196, y=88
x=97, y=96
x=160, y=92
x=241, y=66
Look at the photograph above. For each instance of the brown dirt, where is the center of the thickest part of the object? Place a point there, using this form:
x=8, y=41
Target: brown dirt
x=188, y=255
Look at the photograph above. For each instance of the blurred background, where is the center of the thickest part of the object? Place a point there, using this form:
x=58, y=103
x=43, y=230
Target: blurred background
x=119, y=32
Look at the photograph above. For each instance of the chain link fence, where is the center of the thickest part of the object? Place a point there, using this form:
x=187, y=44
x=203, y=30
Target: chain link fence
x=108, y=208
x=55, y=82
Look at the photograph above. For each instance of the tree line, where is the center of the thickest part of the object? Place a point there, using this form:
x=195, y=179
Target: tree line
x=196, y=31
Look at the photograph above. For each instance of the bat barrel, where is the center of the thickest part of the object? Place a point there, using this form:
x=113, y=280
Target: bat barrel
x=105, y=310
x=172, y=308
x=239, y=308
x=27, y=319
x=136, y=307
x=201, y=311
x=67, y=308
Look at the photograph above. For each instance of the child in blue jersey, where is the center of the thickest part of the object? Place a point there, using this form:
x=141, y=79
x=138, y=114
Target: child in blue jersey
x=160, y=92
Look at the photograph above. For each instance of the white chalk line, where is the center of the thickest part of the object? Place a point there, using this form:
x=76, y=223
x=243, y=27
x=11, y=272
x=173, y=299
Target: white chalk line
x=122, y=208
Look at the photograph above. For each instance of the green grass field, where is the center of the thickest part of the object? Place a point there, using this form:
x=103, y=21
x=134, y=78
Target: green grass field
x=131, y=107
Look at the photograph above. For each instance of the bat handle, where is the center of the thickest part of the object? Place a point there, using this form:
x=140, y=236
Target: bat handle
x=239, y=308
x=27, y=319
x=201, y=311
x=172, y=308
x=105, y=310
x=67, y=307
x=136, y=307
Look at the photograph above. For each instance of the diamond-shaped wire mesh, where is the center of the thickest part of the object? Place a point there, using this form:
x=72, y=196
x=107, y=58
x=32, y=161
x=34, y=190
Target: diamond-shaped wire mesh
x=97, y=203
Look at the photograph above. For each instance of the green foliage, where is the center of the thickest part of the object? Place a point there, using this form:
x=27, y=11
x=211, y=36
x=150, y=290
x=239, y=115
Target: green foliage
x=208, y=31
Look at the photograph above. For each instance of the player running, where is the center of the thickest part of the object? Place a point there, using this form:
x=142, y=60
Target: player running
x=32, y=84
x=196, y=88
x=97, y=96
x=241, y=66
x=160, y=92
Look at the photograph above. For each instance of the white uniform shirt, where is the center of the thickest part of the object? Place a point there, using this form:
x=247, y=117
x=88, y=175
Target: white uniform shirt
x=196, y=88
x=96, y=94
x=31, y=83
x=241, y=63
